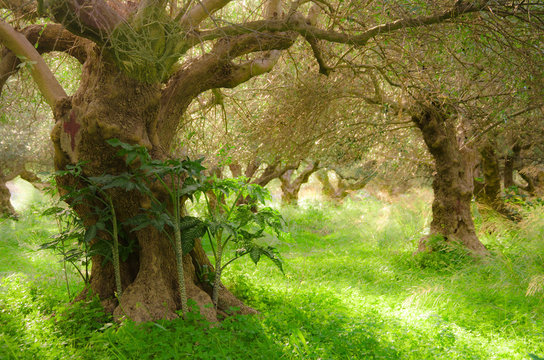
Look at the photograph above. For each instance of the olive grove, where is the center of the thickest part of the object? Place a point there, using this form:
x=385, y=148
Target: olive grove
x=145, y=62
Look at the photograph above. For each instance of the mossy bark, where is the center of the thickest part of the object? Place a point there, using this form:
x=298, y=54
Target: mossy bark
x=491, y=190
x=109, y=104
x=452, y=183
x=511, y=161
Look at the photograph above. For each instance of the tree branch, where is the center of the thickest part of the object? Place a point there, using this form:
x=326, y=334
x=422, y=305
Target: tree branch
x=299, y=24
x=303, y=177
x=45, y=38
x=91, y=19
x=198, y=13
x=42, y=75
x=273, y=171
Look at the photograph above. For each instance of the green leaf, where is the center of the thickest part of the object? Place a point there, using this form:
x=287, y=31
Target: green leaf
x=271, y=253
x=49, y=245
x=90, y=234
x=191, y=228
x=54, y=210
x=255, y=254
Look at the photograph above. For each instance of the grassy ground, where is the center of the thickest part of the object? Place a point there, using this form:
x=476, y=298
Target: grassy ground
x=352, y=290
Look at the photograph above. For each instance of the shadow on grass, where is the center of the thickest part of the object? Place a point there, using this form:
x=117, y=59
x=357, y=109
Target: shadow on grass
x=318, y=325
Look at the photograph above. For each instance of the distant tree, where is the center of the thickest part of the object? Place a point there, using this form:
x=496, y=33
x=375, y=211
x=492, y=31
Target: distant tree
x=348, y=179
x=292, y=181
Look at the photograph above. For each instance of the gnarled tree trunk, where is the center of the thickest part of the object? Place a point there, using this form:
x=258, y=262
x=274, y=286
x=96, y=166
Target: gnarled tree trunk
x=291, y=187
x=108, y=105
x=452, y=183
x=334, y=193
x=489, y=192
x=346, y=183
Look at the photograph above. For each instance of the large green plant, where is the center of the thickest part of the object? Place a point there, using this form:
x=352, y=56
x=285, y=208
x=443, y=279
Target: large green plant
x=93, y=193
x=228, y=222
x=225, y=222
x=179, y=179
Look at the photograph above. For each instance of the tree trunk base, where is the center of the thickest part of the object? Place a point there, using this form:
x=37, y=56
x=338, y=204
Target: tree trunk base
x=6, y=209
x=150, y=285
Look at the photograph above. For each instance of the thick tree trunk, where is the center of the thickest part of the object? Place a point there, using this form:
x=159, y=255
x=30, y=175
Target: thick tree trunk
x=108, y=105
x=289, y=191
x=490, y=193
x=452, y=184
x=337, y=193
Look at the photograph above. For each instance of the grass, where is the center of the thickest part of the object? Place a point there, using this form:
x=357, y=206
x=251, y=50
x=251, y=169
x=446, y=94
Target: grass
x=352, y=290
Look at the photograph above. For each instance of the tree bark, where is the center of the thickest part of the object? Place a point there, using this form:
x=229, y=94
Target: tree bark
x=452, y=184
x=291, y=187
x=337, y=193
x=489, y=193
x=510, y=162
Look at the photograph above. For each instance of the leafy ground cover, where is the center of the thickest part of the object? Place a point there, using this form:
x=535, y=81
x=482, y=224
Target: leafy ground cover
x=352, y=289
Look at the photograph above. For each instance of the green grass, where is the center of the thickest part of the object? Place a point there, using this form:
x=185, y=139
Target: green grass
x=352, y=290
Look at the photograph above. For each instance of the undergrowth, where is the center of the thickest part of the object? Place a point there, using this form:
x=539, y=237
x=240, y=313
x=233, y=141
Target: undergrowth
x=352, y=289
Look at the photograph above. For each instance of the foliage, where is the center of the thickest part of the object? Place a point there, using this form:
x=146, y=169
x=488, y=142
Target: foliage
x=350, y=292
x=180, y=179
x=442, y=255
x=148, y=45
x=514, y=196
x=242, y=224
x=71, y=242
x=91, y=192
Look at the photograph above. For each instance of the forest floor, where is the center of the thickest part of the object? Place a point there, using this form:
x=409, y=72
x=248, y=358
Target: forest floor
x=352, y=289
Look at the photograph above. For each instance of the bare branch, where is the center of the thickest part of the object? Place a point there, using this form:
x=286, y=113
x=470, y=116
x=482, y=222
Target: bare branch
x=299, y=24
x=45, y=38
x=303, y=177
x=198, y=13
x=311, y=19
x=42, y=75
x=273, y=171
